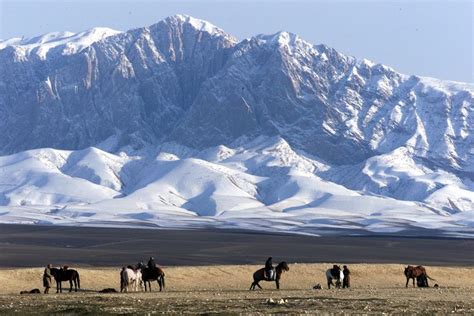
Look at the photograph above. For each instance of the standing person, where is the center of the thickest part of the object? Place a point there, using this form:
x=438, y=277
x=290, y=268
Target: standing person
x=346, y=282
x=123, y=282
x=269, y=268
x=47, y=278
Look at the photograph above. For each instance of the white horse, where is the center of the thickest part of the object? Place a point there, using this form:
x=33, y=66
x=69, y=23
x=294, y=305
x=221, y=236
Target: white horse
x=338, y=279
x=132, y=280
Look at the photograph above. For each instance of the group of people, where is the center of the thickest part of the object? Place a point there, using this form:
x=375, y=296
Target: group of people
x=269, y=272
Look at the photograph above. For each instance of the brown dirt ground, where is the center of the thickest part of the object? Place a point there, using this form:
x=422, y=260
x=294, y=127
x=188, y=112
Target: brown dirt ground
x=376, y=289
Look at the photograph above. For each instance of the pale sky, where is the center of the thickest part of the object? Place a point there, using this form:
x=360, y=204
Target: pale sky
x=428, y=38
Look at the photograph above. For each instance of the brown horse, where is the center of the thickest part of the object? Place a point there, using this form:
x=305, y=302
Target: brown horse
x=259, y=275
x=62, y=275
x=412, y=272
x=149, y=275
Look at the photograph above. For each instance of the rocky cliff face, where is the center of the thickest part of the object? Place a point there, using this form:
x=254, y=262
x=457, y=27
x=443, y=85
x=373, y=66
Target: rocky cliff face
x=186, y=81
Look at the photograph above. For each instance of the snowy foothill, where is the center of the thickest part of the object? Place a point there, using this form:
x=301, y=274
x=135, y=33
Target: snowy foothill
x=263, y=185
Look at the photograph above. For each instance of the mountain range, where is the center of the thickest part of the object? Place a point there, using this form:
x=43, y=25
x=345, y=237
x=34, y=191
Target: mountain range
x=179, y=124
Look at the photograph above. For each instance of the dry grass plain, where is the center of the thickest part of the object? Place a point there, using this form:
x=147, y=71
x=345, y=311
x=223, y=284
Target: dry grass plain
x=376, y=289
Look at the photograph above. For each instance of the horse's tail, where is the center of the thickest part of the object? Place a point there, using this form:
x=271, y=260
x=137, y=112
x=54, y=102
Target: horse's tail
x=430, y=278
x=78, y=280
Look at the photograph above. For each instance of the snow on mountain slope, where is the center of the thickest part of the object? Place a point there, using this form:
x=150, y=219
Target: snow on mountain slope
x=35, y=178
x=400, y=176
x=66, y=43
x=259, y=184
x=180, y=124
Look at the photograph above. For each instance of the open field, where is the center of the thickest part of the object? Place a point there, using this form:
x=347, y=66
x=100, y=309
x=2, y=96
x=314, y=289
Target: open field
x=34, y=246
x=210, y=271
x=375, y=288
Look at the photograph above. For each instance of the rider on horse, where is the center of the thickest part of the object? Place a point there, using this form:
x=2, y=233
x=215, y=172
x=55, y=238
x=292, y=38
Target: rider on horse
x=151, y=263
x=269, y=268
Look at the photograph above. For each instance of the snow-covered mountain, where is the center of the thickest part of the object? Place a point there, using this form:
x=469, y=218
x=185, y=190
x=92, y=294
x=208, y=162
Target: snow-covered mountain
x=66, y=43
x=179, y=124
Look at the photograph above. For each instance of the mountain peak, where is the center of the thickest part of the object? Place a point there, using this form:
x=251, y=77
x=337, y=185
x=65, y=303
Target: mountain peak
x=197, y=24
x=183, y=80
x=281, y=38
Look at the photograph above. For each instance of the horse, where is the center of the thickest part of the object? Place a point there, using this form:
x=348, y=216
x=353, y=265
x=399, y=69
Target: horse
x=149, y=275
x=418, y=272
x=259, y=275
x=130, y=280
x=334, y=273
x=61, y=275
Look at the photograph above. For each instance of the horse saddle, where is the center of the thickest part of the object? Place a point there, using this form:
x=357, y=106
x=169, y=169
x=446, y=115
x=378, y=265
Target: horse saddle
x=270, y=274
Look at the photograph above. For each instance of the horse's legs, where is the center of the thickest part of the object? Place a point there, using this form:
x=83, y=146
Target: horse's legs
x=408, y=279
x=277, y=284
x=329, y=283
x=70, y=285
x=413, y=282
x=254, y=284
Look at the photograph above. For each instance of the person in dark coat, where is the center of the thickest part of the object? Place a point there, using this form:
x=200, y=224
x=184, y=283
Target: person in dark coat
x=346, y=282
x=422, y=281
x=269, y=268
x=151, y=263
x=47, y=278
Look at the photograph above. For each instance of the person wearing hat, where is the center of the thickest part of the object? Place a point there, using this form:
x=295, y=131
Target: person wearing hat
x=47, y=278
x=346, y=282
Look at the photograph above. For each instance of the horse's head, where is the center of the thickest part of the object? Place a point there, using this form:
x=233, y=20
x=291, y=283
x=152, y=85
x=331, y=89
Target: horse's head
x=408, y=270
x=283, y=266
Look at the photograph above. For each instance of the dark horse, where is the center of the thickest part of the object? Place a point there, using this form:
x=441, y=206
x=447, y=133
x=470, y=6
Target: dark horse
x=259, y=275
x=61, y=275
x=149, y=275
x=418, y=272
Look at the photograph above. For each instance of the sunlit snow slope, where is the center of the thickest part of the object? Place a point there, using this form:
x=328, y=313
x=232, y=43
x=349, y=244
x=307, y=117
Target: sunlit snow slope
x=180, y=125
